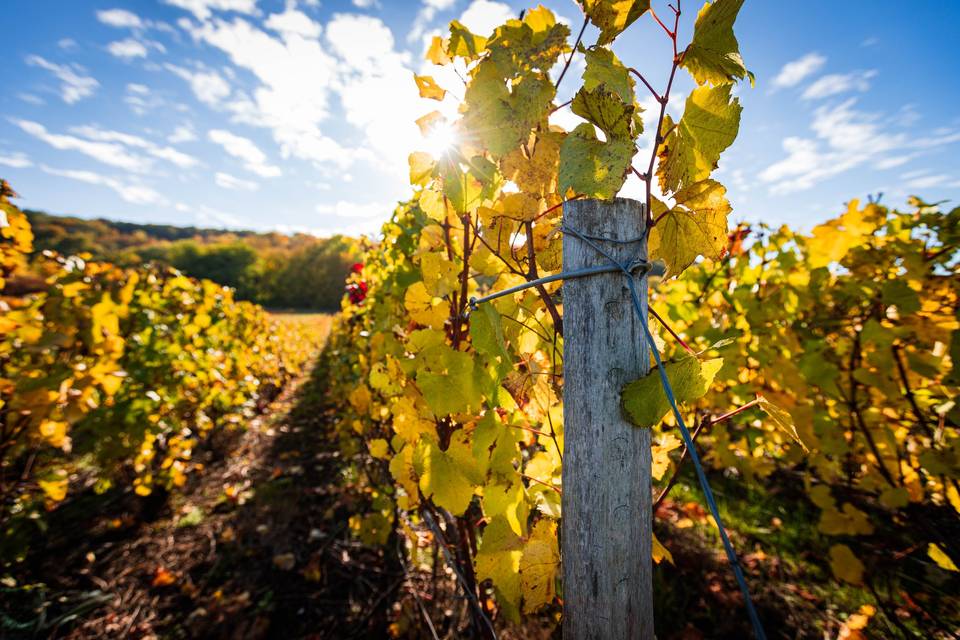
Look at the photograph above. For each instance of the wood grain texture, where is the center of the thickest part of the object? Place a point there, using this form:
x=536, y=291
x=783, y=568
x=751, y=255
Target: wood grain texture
x=606, y=534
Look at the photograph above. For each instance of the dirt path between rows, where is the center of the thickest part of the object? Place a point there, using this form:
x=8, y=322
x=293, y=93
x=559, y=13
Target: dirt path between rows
x=256, y=546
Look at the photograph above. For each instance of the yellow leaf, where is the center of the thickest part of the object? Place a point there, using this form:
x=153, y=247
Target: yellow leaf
x=421, y=167
x=942, y=559
x=538, y=566
x=425, y=309
x=832, y=240
x=360, y=399
x=429, y=88
x=54, y=432
x=436, y=53
x=429, y=122
x=845, y=565
x=696, y=226
x=661, y=454
x=440, y=275
x=521, y=206
x=442, y=476
x=379, y=448
x=498, y=559
x=660, y=552
x=435, y=205
x=55, y=490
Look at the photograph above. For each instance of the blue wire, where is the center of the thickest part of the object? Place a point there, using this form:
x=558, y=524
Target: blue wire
x=687, y=439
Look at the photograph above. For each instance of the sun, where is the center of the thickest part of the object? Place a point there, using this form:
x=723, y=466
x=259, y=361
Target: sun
x=441, y=139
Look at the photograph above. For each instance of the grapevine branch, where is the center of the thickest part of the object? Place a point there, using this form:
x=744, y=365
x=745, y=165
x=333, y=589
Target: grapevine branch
x=706, y=422
x=670, y=330
x=573, y=52
x=656, y=95
x=659, y=135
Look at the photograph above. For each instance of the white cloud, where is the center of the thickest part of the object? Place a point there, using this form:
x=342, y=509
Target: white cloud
x=110, y=153
x=253, y=158
x=565, y=118
x=835, y=83
x=344, y=209
x=425, y=16
x=15, y=160
x=796, y=71
x=141, y=99
x=74, y=86
x=483, y=16
x=367, y=78
x=169, y=154
x=183, y=133
x=120, y=18
x=359, y=39
x=844, y=139
x=127, y=49
x=293, y=22
x=67, y=44
x=29, y=98
x=209, y=87
x=296, y=76
x=228, y=181
x=132, y=193
x=366, y=4
x=927, y=181
x=203, y=9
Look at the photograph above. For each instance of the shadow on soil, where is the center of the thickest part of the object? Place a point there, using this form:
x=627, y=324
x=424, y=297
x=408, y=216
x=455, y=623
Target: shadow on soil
x=256, y=546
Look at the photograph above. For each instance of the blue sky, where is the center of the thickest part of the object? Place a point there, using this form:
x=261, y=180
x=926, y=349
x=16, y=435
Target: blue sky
x=297, y=115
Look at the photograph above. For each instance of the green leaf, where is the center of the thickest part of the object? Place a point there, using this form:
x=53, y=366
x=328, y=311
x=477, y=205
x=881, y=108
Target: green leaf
x=714, y=55
x=691, y=151
x=898, y=293
x=594, y=168
x=607, y=110
x=515, y=110
x=448, y=381
x=464, y=191
x=696, y=226
x=612, y=17
x=645, y=401
x=845, y=565
x=486, y=333
x=604, y=68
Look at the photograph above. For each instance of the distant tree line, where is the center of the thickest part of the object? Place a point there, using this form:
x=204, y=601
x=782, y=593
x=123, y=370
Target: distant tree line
x=297, y=271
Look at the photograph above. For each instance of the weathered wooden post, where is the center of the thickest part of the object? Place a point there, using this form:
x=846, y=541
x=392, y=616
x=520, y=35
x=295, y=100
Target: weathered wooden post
x=606, y=534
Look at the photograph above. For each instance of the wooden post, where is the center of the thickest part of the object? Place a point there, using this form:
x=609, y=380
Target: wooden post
x=606, y=535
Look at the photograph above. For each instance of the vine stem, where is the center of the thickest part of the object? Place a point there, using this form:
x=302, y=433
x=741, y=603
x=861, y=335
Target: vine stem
x=648, y=85
x=706, y=422
x=658, y=136
x=670, y=330
x=548, y=485
x=739, y=409
x=573, y=52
